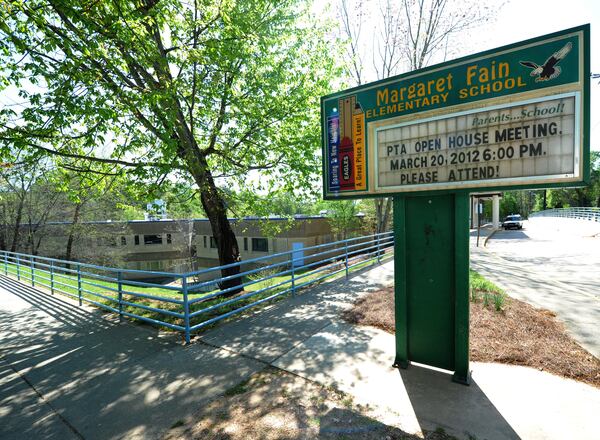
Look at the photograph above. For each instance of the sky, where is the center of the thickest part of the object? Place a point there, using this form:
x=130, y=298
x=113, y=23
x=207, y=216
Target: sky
x=516, y=20
x=522, y=19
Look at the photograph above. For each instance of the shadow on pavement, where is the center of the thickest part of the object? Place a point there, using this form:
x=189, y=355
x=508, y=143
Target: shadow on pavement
x=269, y=333
x=108, y=380
x=484, y=232
x=58, y=308
x=439, y=402
x=345, y=423
x=511, y=234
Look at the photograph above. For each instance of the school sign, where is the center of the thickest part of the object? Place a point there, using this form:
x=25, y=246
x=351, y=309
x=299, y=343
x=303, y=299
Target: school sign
x=516, y=116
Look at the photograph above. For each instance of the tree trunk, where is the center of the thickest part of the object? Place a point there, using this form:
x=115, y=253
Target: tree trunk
x=545, y=203
x=71, y=239
x=17, y=227
x=386, y=214
x=4, y=230
x=214, y=206
x=383, y=208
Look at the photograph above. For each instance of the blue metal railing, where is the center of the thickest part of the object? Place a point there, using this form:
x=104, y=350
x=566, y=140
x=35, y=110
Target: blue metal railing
x=200, y=298
x=592, y=214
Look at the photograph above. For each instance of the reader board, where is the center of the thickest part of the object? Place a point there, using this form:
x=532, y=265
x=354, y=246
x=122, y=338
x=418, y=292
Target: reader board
x=512, y=117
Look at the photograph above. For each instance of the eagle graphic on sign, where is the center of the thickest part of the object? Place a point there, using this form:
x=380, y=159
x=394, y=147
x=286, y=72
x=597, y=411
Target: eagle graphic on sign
x=549, y=70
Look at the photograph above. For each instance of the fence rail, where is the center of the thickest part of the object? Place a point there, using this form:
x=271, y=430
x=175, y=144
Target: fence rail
x=592, y=214
x=197, y=299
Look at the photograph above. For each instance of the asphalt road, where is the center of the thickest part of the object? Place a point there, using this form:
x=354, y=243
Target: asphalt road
x=554, y=264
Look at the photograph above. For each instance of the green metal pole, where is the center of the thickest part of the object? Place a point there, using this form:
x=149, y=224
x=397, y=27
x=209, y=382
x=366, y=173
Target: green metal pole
x=346, y=258
x=400, y=293
x=52, y=277
x=32, y=263
x=461, y=278
x=79, y=282
x=186, y=309
x=293, y=274
x=120, y=293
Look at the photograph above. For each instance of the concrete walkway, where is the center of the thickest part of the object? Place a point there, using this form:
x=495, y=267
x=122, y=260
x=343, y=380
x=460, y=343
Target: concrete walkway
x=306, y=337
x=67, y=372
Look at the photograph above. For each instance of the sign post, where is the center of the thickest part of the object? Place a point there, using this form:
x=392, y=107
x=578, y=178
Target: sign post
x=514, y=117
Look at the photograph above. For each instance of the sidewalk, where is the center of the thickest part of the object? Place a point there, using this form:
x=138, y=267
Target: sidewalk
x=75, y=374
x=67, y=372
x=306, y=337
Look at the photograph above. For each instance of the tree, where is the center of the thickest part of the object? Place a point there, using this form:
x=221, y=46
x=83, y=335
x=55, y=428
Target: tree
x=567, y=197
x=408, y=35
x=200, y=90
x=517, y=202
x=343, y=217
x=81, y=189
x=29, y=200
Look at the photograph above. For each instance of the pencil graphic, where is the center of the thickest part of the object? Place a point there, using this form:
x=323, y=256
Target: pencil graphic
x=346, y=150
x=358, y=138
x=333, y=139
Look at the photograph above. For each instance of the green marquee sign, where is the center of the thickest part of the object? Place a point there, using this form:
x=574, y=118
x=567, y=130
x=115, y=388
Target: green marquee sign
x=516, y=116
x=513, y=117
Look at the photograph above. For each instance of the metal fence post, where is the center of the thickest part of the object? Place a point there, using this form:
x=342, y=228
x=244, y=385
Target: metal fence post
x=18, y=269
x=186, y=309
x=32, y=264
x=120, y=286
x=5, y=263
x=378, y=252
x=293, y=273
x=346, y=258
x=52, y=277
x=79, y=282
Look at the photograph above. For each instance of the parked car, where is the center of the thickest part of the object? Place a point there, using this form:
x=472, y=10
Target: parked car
x=513, y=221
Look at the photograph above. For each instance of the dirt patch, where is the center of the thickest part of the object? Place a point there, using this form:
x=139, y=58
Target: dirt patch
x=278, y=405
x=519, y=335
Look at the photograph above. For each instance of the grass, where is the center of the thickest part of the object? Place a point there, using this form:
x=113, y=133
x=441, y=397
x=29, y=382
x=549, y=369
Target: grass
x=481, y=284
x=481, y=287
x=105, y=293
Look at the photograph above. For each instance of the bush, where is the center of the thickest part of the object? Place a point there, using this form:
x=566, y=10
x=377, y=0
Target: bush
x=258, y=276
x=499, y=300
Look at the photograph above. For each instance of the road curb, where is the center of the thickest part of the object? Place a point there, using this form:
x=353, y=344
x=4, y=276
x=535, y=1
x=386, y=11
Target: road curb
x=490, y=236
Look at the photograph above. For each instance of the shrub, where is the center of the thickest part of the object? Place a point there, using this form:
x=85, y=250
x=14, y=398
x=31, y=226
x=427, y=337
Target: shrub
x=486, y=299
x=499, y=300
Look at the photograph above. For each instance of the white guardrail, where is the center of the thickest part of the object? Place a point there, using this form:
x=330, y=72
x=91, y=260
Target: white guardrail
x=592, y=214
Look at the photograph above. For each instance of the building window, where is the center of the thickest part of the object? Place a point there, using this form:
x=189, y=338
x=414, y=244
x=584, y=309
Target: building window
x=260, y=245
x=106, y=241
x=204, y=237
x=153, y=239
x=213, y=243
x=123, y=240
x=245, y=243
x=154, y=265
x=136, y=240
x=169, y=239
